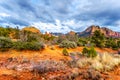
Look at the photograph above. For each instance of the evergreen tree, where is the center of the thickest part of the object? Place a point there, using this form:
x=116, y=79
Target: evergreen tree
x=98, y=39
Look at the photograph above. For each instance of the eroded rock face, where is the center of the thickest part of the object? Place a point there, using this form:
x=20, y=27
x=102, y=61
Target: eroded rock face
x=107, y=32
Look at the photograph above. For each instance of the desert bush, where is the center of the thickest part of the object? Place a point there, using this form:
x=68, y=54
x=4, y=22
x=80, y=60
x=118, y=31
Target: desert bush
x=68, y=44
x=65, y=75
x=115, y=46
x=5, y=43
x=4, y=32
x=89, y=52
x=33, y=46
x=112, y=43
x=13, y=32
x=85, y=51
x=28, y=45
x=45, y=66
x=92, y=52
x=82, y=42
x=91, y=74
x=118, y=43
x=65, y=52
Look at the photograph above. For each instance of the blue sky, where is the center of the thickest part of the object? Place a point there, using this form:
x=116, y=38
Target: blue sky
x=60, y=15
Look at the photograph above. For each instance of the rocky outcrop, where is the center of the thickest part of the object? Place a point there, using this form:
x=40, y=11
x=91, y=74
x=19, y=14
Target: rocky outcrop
x=31, y=29
x=107, y=32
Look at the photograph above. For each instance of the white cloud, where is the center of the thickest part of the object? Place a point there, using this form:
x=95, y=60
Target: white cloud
x=50, y=27
x=4, y=15
x=64, y=26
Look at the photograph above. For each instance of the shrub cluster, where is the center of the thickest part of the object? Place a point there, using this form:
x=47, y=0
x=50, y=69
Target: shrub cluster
x=82, y=41
x=6, y=43
x=89, y=52
x=68, y=44
x=28, y=45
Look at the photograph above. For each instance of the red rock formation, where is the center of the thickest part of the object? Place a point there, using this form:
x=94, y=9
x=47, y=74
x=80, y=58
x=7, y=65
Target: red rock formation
x=107, y=32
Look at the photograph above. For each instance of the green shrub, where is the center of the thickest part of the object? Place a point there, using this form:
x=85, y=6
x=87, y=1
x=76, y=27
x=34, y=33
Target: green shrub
x=5, y=43
x=80, y=44
x=89, y=52
x=111, y=43
x=118, y=43
x=28, y=45
x=18, y=45
x=85, y=51
x=4, y=32
x=65, y=52
x=92, y=52
x=68, y=44
x=82, y=41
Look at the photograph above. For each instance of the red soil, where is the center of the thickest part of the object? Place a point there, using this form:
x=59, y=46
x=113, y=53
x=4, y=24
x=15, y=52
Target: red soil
x=47, y=53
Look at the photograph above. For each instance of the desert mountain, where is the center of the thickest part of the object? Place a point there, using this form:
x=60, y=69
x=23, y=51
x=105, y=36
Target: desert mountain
x=107, y=32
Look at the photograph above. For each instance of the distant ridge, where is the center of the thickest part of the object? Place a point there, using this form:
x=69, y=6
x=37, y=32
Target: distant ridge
x=106, y=31
x=88, y=32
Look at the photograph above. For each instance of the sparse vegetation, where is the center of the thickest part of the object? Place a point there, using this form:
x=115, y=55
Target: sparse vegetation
x=48, y=66
x=65, y=52
x=68, y=44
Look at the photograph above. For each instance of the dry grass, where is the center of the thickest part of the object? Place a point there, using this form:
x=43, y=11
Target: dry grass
x=103, y=62
x=106, y=62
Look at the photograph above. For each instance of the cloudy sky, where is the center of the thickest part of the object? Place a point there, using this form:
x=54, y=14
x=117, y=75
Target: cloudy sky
x=60, y=15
